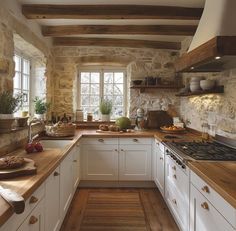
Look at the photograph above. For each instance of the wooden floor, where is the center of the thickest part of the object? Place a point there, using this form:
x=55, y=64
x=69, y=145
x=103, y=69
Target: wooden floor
x=118, y=210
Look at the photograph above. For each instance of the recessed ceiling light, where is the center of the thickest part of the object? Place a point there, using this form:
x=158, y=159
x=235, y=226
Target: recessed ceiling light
x=217, y=57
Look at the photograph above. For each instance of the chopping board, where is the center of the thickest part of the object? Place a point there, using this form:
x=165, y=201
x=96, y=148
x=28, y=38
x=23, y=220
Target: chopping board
x=28, y=168
x=110, y=132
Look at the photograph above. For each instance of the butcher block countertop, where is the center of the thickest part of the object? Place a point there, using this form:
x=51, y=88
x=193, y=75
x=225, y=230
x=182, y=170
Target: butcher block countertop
x=220, y=176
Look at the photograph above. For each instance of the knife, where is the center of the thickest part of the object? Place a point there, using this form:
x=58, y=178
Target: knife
x=16, y=201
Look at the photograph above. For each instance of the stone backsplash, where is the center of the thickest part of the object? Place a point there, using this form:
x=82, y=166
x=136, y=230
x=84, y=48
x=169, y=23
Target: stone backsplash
x=218, y=109
x=139, y=63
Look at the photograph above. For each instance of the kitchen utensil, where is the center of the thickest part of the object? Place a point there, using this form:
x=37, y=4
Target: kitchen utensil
x=14, y=199
x=207, y=84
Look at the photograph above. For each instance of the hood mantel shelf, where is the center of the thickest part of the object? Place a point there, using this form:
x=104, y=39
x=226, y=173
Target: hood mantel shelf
x=203, y=58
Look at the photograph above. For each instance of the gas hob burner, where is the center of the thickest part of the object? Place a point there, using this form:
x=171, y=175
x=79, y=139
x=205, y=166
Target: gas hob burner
x=205, y=150
x=171, y=137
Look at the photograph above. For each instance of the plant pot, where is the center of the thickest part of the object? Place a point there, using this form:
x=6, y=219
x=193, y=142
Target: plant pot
x=6, y=121
x=105, y=118
x=39, y=116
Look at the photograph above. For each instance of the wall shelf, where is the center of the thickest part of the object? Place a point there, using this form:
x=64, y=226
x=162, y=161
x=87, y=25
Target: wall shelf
x=142, y=88
x=216, y=90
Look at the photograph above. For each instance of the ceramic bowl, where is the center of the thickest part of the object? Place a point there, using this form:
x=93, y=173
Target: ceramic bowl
x=194, y=87
x=207, y=84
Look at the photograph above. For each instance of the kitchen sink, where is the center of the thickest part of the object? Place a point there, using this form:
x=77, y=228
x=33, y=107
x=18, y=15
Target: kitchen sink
x=48, y=144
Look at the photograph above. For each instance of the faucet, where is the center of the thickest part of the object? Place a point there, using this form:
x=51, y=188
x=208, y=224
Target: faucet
x=34, y=120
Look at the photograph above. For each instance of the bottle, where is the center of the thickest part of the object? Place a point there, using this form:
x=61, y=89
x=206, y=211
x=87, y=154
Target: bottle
x=53, y=118
x=205, y=135
x=64, y=119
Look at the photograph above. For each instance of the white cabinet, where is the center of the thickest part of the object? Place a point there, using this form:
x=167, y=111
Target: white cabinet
x=52, y=201
x=100, y=162
x=203, y=215
x=135, y=162
x=160, y=167
x=76, y=166
x=35, y=221
x=177, y=183
x=66, y=184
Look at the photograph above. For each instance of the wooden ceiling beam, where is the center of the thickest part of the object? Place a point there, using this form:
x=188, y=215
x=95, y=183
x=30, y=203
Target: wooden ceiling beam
x=76, y=41
x=186, y=30
x=49, y=11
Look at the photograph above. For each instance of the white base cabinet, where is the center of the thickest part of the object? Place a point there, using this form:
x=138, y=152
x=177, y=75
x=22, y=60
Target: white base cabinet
x=159, y=176
x=135, y=162
x=35, y=221
x=116, y=159
x=52, y=201
x=203, y=215
x=100, y=162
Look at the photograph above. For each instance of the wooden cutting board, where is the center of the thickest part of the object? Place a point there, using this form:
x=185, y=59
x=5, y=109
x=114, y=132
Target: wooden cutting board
x=28, y=168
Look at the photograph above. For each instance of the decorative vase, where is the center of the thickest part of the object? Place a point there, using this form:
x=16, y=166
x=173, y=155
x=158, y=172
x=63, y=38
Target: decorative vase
x=105, y=118
x=39, y=116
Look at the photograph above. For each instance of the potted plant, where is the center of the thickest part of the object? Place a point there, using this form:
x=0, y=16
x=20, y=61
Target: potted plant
x=8, y=105
x=40, y=107
x=105, y=109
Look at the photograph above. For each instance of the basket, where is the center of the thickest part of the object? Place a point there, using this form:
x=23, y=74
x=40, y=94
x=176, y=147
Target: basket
x=61, y=131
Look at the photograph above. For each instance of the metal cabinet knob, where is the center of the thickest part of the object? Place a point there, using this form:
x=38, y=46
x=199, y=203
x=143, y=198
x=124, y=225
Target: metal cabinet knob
x=33, y=200
x=206, y=189
x=161, y=158
x=101, y=140
x=174, y=168
x=74, y=161
x=205, y=206
x=33, y=220
x=175, y=176
x=122, y=150
x=135, y=140
x=56, y=174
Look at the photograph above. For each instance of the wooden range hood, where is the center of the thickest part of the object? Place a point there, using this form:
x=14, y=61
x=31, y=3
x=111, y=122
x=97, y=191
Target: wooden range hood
x=216, y=55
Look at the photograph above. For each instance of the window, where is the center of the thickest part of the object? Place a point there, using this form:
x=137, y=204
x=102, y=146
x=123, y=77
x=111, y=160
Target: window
x=21, y=80
x=97, y=84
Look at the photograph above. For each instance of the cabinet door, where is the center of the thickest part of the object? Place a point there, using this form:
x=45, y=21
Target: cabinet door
x=160, y=169
x=135, y=162
x=76, y=166
x=100, y=162
x=203, y=216
x=66, y=184
x=35, y=221
x=52, y=201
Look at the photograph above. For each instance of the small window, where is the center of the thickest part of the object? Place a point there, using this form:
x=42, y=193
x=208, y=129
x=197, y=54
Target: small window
x=21, y=83
x=98, y=84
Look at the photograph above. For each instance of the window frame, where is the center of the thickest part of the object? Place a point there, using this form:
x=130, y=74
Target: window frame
x=101, y=70
x=22, y=57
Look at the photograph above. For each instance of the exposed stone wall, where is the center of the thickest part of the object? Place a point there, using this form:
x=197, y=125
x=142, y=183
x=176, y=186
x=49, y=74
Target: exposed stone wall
x=9, y=27
x=213, y=108
x=139, y=64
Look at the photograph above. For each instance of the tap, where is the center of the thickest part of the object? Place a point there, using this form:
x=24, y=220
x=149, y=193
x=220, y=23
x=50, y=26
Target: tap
x=34, y=120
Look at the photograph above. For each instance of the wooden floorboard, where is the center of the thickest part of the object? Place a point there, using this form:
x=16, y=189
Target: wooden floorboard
x=118, y=210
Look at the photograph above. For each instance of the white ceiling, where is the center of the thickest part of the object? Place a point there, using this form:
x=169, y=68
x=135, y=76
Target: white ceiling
x=181, y=3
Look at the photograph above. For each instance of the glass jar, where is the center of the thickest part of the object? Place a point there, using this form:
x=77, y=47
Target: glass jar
x=89, y=117
x=205, y=135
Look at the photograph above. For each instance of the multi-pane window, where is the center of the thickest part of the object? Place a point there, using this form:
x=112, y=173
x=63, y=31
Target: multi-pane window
x=21, y=79
x=95, y=85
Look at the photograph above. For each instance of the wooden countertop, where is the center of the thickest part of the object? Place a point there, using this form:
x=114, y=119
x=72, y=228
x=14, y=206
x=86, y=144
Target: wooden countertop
x=220, y=176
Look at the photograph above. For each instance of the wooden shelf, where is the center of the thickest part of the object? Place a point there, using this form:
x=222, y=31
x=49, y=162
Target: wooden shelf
x=142, y=88
x=218, y=89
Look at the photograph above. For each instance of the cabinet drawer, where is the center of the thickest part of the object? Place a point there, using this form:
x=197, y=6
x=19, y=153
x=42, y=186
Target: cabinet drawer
x=219, y=202
x=204, y=216
x=101, y=140
x=14, y=222
x=135, y=140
